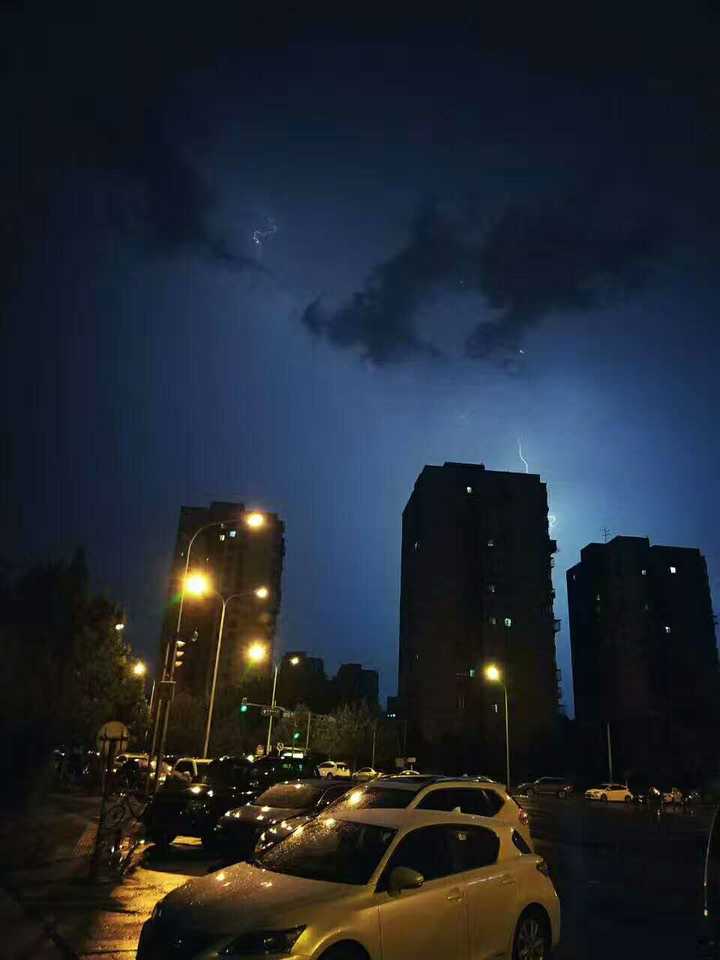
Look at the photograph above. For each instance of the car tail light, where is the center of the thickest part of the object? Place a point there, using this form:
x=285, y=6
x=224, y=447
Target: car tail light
x=543, y=868
x=523, y=817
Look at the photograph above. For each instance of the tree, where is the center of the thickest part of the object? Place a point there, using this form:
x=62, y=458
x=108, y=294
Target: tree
x=346, y=734
x=66, y=669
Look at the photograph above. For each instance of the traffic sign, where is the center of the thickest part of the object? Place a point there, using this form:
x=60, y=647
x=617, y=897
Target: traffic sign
x=279, y=745
x=113, y=732
x=260, y=750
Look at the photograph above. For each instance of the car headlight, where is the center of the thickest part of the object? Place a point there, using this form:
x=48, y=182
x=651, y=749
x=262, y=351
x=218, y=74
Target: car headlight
x=262, y=942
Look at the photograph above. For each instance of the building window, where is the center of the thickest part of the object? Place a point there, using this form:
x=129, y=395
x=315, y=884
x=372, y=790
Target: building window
x=646, y=607
x=468, y=489
x=222, y=537
x=667, y=629
x=643, y=573
x=673, y=569
x=416, y=545
x=471, y=671
x=493, y=621
x=233, y=533
x=491, y=588
x=491, y=543
x=597, y=597
x=508, y=621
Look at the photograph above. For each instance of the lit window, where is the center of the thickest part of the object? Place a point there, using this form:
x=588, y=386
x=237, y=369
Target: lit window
x=491, y=543
x=493, y=621
x=233, y=533
x=597, y=597
x=472, y=672
x=222, y=537
x=673, y=569
x=491, y=587
x=508, y=621
x=468, y=489
x=667, y=629
x=643, y=573
x=416, y=545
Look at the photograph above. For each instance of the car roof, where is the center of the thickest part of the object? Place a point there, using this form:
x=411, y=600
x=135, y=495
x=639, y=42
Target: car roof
x=416, y=784
x=409, y=819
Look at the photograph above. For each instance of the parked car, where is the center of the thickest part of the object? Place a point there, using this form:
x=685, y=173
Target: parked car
x=192, y=769
x=647, y=795
x=334, y=768
x=610, y=793
x=547, y=787
x=366, y=773
x=673, y=797
x=374, y=883
x=445, y=794
x=182, y=810
x=273, y=816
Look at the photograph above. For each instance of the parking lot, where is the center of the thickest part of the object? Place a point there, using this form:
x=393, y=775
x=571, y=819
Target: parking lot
x=629, y=880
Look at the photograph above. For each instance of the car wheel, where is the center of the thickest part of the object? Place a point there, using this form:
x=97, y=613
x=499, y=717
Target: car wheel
x=345, y=951
x=532, y=936
x=628, y=798
x=561, y=794
x=603, y=797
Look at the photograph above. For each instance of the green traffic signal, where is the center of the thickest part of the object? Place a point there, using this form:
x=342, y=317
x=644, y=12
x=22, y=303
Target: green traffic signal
x=296, y=735
x=243, y=708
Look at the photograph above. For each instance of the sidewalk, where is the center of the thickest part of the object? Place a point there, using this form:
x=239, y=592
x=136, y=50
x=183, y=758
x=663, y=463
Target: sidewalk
x=49, y=908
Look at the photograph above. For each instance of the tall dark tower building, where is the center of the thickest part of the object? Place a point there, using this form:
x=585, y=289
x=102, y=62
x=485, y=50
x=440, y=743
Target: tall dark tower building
x=644, y=657
x=476, y=587
x=242, y=553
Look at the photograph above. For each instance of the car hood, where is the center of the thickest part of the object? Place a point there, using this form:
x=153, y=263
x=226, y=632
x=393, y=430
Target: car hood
x=245, y=897
x=253, y=814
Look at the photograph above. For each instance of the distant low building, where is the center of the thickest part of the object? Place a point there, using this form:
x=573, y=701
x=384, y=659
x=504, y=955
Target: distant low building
x=355, y=683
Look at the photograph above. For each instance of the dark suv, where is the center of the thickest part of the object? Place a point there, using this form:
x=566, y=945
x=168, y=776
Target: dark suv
x=183, y=810
x=547, y=787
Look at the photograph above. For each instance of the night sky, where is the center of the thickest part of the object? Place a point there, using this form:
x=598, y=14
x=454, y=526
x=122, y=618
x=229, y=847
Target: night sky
x=288, y=259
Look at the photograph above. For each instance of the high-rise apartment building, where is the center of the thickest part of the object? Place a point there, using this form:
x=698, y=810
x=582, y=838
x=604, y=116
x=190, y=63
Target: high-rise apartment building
x=476, y=588
x=645, y=659
x=242, y=554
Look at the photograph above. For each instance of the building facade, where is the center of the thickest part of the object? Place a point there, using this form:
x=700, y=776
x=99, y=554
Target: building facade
x=476, y=587
x=645, y=662
x=354, y=683
x=242, y=554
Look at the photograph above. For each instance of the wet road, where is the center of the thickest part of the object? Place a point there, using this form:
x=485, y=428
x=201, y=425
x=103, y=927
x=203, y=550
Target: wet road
x=630, y=882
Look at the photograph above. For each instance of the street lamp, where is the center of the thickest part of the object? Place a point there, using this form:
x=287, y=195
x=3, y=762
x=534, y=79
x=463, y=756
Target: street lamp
x=119, y=627
x=199, y=586
x=494, y=675
x=139, y=669
x=255, y=520
x=257, y=653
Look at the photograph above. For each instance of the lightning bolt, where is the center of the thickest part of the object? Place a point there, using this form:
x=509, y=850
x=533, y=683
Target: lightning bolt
x=520, y=454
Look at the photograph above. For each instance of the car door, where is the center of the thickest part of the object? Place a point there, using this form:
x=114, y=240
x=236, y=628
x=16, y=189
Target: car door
x=429, y=923
x=490, y=890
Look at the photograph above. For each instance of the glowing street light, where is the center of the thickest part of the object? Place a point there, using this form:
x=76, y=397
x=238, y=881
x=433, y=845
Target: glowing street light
x=493, y=674
x=262, y=593
x=139, y=669
x=257, y=652
x=119, y=627
x=197, y=584
x=255, y=520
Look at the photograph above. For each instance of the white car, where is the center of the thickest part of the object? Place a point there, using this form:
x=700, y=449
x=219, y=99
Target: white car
x=191, y=769
x=609, y=793
x=378, y=884
x=366, y=773
x=334, y=768
x=441, y=794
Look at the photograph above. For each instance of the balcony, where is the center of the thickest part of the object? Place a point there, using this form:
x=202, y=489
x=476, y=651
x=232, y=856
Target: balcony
x=556, y=625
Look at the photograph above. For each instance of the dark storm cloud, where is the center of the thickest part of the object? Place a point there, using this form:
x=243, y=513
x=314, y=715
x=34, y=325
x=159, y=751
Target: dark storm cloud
x=533, y=260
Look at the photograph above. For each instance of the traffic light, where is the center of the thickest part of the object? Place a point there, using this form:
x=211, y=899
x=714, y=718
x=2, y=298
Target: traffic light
x=296, y=735
x=179, y=653
x=244, y=705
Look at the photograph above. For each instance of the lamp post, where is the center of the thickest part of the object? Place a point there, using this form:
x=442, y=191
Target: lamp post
x=199, y=586
x=257, y=653
x=254, y=520
x=494, y=675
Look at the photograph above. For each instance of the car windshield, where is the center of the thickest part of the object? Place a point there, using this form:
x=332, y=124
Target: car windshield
x=366, y=798
x=328, y=849
x=294, y=796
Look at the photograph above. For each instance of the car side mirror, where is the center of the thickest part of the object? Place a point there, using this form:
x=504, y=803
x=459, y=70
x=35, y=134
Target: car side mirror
x=404, y=878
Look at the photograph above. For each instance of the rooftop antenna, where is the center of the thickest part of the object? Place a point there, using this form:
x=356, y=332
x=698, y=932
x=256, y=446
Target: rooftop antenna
x=606, y=534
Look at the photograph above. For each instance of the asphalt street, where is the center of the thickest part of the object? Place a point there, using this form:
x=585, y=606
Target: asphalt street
x=629, y=883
